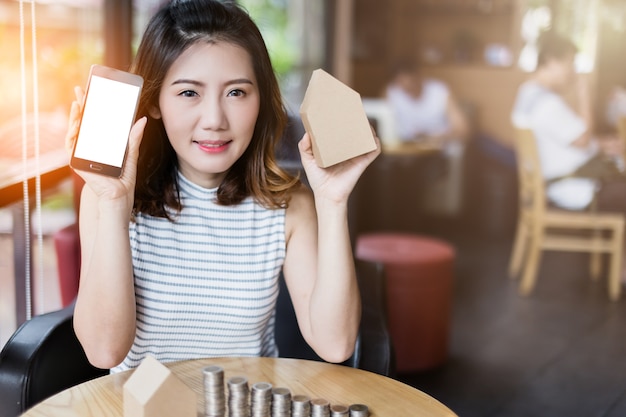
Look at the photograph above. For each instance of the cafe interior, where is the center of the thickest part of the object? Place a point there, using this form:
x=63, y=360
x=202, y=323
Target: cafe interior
x=466, y=316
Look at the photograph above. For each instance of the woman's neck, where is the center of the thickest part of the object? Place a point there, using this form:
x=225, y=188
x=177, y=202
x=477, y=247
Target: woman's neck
x=545, y=79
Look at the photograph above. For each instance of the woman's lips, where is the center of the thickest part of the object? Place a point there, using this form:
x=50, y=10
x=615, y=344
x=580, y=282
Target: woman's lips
x=213, y=146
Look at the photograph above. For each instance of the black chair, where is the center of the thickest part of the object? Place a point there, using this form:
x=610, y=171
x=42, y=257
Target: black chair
x=373, y=351
x=44, y=357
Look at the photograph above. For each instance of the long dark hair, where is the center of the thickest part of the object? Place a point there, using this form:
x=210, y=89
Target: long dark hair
x=173, y=29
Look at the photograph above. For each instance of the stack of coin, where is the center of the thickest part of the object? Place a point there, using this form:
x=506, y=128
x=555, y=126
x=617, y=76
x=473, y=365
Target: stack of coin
x=337, y=410
x=300, y=406
x=320, y=408
x=359, y=410
x=261, y=399
x=238, y=393
x=281, y=402
x=214, y=398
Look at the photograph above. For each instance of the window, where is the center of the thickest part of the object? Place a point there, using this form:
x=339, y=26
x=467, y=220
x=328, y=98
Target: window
x=294, y=35
x=576, y=19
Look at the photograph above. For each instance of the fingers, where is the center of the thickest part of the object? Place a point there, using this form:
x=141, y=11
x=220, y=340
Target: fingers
x=374, y=154
x=80, y=95
x=305, y=143
x=72, y=130
x=136, y=135
x=74, y=120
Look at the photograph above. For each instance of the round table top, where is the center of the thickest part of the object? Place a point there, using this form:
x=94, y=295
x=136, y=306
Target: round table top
x=402, y=248
x=103, y=397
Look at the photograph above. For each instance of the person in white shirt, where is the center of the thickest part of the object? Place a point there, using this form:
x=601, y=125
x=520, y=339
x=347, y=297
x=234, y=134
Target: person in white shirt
x=563, y=131
x=425, y=110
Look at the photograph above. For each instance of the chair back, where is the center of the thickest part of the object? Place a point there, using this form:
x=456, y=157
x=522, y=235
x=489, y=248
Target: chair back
x=532, y=197
x=621, y=127
x=621, y=131
x=42, y=358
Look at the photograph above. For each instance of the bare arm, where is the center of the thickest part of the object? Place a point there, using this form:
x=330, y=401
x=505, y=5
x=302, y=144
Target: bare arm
x=583, y=108
x=319, y=271
x=104, y=316
x=319, y=267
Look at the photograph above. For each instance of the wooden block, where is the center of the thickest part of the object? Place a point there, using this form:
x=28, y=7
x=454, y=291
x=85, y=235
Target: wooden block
x=333, y=115
x=154, y=391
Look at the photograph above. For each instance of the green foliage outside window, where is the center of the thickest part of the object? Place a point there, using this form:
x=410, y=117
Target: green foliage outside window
x=272, y=18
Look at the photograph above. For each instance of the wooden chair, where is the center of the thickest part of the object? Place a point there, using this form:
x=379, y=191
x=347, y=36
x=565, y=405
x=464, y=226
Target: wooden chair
x=621, y=131
x=621, y=127
x=541, y=228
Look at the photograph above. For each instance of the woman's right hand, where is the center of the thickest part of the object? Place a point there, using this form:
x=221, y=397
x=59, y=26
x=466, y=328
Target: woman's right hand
x=108, y=189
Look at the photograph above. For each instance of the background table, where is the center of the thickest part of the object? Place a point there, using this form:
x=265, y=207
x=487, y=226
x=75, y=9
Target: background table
x=338, y=384
x=415, y=148
x=389, y=194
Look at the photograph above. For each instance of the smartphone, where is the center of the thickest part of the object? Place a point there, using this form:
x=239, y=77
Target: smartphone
x=109, y=112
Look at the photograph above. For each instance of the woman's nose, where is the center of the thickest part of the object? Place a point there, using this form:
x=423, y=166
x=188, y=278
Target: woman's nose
x=213, y=116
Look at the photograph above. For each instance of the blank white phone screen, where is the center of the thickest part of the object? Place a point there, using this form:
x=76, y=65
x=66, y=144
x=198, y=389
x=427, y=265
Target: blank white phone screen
x=107, y=118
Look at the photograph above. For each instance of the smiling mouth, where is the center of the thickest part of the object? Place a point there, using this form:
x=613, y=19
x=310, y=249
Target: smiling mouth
x=212, y=145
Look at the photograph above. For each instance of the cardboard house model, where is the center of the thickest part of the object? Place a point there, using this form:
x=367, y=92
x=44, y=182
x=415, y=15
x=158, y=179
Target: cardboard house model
x=333, y=115
x=154, y=391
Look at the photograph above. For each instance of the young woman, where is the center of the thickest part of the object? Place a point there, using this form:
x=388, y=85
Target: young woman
x=181, y=255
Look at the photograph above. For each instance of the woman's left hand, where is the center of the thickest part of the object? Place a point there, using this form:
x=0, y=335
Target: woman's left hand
x=335, y=182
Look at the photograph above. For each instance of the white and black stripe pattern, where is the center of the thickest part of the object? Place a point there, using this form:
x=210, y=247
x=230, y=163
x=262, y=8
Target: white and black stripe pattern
x=206, y=283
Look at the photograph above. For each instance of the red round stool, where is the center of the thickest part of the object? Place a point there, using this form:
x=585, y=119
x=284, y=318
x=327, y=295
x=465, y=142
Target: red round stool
x=419, y=273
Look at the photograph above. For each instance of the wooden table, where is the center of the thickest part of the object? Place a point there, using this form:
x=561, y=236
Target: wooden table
x=414, y=148
x=338, y=384
x=388, y=194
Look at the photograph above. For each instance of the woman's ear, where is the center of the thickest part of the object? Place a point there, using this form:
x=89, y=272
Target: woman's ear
x=154, y=112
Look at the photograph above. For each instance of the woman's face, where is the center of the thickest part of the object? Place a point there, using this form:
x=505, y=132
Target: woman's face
x=209, y=103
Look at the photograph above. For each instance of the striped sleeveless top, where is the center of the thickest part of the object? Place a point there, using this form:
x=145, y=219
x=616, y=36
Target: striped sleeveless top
x=206, y=283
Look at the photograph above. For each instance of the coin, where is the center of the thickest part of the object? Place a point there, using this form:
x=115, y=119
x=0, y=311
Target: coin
x=261, y=399
x=359, y=410
x=281, y=402
x=300, y=406
x=214, y=398
x=320, y=408
x=238, y=393
x=337, y=410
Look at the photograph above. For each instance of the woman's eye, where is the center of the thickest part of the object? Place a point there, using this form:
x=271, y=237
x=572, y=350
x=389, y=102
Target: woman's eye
x=188, y=93
x=236, y=93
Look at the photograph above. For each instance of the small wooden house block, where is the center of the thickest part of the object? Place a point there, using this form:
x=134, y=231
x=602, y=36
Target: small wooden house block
x=333, y=115
x=154, y=391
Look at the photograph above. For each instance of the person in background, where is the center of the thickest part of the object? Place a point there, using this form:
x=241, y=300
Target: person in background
x=581, y=166
x=567, y=147
x=424, y=110
x=181, y=255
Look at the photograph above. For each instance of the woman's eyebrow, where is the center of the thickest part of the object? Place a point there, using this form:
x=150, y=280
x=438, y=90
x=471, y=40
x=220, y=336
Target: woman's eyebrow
x=199, y=83
x=240, y=81
x=187, y=81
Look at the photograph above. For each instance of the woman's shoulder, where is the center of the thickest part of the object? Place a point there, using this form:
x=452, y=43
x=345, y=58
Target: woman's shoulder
x=301, y=208
x=301, y=198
